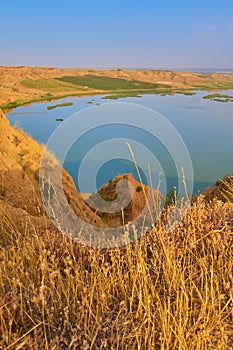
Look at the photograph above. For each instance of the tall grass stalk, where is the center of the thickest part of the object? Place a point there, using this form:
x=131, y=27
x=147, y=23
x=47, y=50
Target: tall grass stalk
x=164, y=291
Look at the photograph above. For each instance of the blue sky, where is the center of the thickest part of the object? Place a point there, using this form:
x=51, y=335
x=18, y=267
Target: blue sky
x=129, y=33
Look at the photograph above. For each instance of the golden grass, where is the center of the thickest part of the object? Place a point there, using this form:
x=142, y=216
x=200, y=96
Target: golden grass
x=51, y=85
x=226, y=189
x=166, y=291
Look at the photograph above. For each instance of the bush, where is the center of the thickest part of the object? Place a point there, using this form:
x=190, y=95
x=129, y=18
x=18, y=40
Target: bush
x=139, y=189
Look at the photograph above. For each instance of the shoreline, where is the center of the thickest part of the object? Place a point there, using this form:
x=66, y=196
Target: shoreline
x=41, y=84
x=107, y=95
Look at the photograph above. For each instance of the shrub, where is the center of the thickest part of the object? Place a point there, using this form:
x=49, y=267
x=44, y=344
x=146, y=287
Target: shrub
x=139, y=188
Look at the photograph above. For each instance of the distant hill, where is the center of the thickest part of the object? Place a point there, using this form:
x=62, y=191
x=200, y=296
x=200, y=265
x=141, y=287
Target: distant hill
x=20, y=85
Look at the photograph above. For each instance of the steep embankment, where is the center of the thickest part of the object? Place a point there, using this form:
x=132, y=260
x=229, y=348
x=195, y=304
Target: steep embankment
x=20, y=197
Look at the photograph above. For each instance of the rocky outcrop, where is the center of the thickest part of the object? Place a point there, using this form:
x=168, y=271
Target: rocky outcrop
x=125, y=200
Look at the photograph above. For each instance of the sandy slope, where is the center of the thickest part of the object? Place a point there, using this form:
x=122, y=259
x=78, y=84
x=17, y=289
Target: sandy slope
x=20, y=158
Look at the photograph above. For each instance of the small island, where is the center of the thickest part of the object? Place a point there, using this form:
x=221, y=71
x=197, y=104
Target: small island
x=219, y=98
x=66, y=104
x=122, y=95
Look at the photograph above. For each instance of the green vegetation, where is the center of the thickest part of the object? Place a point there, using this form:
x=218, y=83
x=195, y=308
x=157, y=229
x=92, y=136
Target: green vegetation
x=217, y=95
x=224, y=100
x=139, y=188
x=219, y=98
x=214, y=86
x=163, y=91
x=165, y=94
x=51, y=85
x=46, y=97
x=105, y=83
x=65, y=104
x=110, y=198
x=22, y=102
x=123, y=95
x=115, y=88
x=170, y=198
x=187, y=93
x=15, y=104
x=21, y=155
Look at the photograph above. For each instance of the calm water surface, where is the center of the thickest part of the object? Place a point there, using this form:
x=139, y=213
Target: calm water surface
x=205, y=126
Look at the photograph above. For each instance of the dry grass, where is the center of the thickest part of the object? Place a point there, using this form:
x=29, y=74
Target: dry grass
x=166, y=291
x=223, y=190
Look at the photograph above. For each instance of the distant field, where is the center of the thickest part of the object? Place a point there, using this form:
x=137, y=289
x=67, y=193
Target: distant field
x=51, y=85
x=212, y=85
x=107, y=83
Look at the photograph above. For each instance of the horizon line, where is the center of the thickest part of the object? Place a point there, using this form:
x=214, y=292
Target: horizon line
x=124, y=68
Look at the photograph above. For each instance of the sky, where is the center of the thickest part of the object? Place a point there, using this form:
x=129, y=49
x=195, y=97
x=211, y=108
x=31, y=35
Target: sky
x=117, y=34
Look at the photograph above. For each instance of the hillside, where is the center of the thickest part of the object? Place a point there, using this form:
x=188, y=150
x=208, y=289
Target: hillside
x=20, y=85
x=167, y=290
x=20, y=158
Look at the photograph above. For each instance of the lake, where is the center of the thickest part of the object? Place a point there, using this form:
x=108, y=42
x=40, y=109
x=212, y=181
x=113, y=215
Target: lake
x=206, y=127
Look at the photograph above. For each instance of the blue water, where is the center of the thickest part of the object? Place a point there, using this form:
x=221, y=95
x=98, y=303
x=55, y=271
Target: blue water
x=205, y=126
